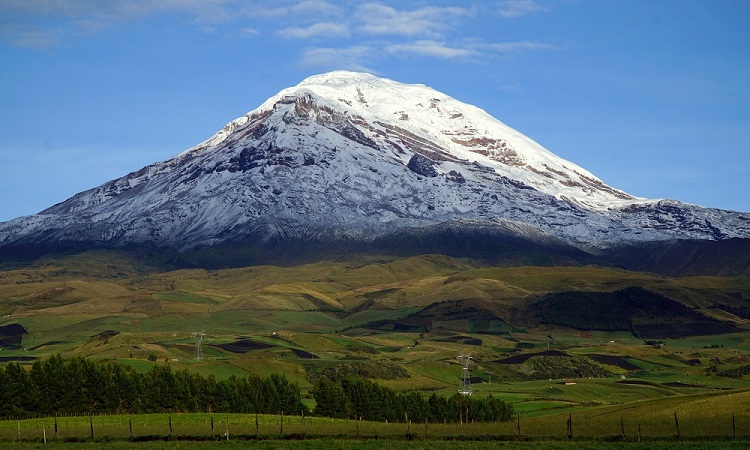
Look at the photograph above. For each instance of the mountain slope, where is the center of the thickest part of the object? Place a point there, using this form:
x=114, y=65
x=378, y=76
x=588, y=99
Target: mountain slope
x=351, y=158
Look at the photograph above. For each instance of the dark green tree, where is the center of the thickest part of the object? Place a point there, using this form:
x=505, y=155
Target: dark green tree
x=331, y=399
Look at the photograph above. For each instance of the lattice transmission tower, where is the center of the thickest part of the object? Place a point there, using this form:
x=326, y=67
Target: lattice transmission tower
x=465, y=387
x=198, y=335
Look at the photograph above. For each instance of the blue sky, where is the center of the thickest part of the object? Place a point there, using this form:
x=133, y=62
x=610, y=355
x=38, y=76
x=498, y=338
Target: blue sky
x=651, y=96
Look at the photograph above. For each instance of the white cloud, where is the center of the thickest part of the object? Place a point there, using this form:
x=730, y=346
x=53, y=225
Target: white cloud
x=321, y=29
x=249, y=32
x=37, y=39
x=205, y=10
x=309, y=8
x=349, y=58
x=94, y=16
x=465, y=49
x=506, y=47
x=425, y=31
x=510, y=9
x=27, y=8
x=431, y=48
x=315, y=7
x=430, y=21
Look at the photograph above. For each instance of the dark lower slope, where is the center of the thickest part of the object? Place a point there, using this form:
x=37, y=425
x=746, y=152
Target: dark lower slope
x=644, y=313
x=492, y=243
x=503, y=243
x=730, y=257
x=450, y=317
x=496, y=243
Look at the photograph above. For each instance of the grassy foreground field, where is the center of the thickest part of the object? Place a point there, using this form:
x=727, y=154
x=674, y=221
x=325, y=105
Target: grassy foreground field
x=368, y=444
x=401, y=323
x=595, y=428
x=717, y=415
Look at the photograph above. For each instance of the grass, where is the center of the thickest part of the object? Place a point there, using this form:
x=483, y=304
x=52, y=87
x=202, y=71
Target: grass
x=324, y=307
x=373, y=444
x=292, y=369
x=440, y=371
x=539, y=405
x=187, y=297
x=699, y=415
x=654, y=419
x=400, y=283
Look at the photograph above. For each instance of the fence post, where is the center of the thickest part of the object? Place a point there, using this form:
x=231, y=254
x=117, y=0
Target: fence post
x=56, y=425
x=91, y=424
x=226, y=425
x=570, y=426
x=130, y=425
x=304, y=426
x=425, y=428
x=256, y=424
x=518, y=417
x=281, y=422
x=622, y=427
x=170, y=427
x=212, y=426
x=677, y=424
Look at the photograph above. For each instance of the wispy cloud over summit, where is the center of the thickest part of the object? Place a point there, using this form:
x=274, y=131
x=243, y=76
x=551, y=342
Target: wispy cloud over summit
x=431, y=21
x=363, y=32
x=358, y=58
x=310, y=9
x=430, y=48
x=510, y=9
x=317, y=30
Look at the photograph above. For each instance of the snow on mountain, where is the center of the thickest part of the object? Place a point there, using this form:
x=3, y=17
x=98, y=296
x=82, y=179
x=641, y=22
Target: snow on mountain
x=354, y=155
x=444, y=129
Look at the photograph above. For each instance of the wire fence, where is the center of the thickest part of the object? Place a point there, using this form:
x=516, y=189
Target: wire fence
x=196, y=426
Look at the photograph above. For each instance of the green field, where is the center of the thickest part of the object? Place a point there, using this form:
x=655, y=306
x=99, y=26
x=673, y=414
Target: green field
x=644, y=420
x=372, y=444
x=371, y=316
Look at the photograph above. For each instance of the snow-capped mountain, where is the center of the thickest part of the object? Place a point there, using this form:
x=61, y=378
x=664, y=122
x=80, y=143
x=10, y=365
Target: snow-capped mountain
x=352, y=156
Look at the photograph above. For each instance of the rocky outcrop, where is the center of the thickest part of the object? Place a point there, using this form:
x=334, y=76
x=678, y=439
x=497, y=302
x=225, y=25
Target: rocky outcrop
x=422, y=166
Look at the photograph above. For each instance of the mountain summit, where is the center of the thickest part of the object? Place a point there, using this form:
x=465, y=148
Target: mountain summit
x=350, y=157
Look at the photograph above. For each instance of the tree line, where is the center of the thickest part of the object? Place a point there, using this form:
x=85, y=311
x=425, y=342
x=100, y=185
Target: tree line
x=359, y=398
x=82, y=386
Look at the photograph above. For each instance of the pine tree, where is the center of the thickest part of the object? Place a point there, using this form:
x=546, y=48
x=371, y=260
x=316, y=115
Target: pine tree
x=331, y=399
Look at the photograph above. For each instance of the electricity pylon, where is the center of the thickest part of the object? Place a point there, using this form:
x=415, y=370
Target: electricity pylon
x=198, y=335
x=465, y=387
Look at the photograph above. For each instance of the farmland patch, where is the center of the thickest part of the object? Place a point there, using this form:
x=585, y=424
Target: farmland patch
x=243, y=346
x=612, y=360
